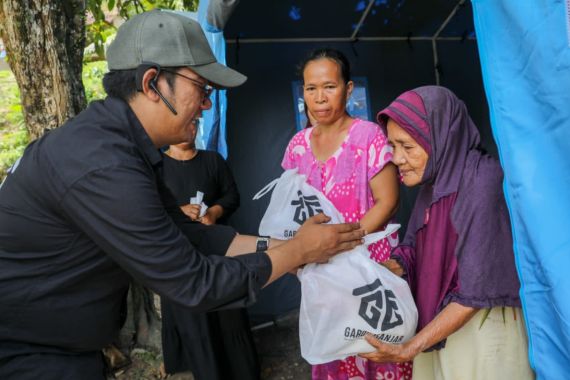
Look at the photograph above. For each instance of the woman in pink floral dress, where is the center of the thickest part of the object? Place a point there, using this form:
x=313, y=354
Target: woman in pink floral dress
x=349, y=161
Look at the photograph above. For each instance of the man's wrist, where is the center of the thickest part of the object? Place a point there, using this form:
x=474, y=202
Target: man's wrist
x=294, y=251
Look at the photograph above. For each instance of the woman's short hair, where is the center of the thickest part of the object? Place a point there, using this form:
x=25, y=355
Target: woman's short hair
x=332, y=54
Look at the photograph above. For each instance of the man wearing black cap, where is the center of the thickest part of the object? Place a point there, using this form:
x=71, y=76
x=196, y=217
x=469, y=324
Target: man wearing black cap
x=84, y=211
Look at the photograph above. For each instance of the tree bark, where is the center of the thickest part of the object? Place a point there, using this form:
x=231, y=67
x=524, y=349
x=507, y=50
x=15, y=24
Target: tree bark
x=143, y=325
x=44, y=43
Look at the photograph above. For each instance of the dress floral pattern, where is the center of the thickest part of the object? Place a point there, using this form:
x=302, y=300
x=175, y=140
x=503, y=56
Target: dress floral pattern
x=344, y=178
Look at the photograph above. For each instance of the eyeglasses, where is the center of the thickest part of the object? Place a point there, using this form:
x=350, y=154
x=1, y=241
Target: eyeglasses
x=205, y=88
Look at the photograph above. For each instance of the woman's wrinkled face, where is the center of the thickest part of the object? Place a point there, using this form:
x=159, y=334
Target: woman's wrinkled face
x=410, y=158
x=325, y=91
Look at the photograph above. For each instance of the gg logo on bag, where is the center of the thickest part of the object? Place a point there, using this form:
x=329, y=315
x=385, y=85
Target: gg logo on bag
x=372, y=304
x=307, y=206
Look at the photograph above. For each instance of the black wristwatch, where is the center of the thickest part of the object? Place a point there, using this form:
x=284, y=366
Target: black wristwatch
x=262, y=244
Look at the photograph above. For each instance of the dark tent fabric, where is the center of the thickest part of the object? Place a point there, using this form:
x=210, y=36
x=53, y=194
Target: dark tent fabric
x=390, y=43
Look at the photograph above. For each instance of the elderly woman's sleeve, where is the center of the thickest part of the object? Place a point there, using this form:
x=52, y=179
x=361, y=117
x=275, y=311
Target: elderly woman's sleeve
x=486, y=264
x=405, y=256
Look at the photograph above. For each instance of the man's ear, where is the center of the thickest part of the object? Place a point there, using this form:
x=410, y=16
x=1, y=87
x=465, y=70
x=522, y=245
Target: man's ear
x=148, y=84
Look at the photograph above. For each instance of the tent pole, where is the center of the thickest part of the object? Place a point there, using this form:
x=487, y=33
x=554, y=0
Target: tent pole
x=436, y=37
x=448, y=19
x=364, y=15
x=339, y=39
x=435, y=61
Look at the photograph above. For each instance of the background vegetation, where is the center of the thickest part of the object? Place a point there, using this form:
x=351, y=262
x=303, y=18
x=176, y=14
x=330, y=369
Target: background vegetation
x=103, y=18
x=13, y=133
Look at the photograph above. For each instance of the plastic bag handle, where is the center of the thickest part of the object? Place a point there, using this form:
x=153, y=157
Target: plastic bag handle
x=376, y=236
x=266, y=189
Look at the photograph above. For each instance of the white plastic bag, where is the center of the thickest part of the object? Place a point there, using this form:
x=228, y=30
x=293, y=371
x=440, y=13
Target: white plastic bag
x=293, y=201
x=347, y=297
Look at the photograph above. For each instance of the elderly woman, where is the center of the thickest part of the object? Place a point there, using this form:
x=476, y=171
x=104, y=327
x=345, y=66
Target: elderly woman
x=457, y=254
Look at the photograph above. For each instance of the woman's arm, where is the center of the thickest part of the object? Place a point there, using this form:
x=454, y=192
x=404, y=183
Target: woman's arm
x=385, y=190
x=449, y=320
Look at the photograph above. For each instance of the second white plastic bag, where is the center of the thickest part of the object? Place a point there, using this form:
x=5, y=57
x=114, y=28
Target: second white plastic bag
x=347, y=297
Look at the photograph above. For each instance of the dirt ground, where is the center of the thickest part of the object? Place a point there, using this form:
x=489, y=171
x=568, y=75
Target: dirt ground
x=279, y=350
x=277, y=346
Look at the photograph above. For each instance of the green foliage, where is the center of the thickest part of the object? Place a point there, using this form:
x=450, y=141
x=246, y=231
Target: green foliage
x=13, y=133
x=484, y=317
x=10, y=108
x=93, y=73
x=487, y=311
x=101, y=26
x=12, y=145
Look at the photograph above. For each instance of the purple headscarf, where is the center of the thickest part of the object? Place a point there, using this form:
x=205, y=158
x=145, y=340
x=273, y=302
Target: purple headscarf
x=458, y=245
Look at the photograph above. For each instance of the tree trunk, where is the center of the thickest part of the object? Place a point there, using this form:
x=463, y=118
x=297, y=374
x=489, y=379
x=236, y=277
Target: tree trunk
x=143, y=325
x=44, y=43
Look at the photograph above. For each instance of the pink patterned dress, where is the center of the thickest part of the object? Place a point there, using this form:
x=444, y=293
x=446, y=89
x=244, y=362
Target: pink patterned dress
x=344, y=179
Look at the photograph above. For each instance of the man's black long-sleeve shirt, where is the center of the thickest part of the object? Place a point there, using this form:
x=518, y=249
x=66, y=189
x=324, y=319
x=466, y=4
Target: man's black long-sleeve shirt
x=82, y=212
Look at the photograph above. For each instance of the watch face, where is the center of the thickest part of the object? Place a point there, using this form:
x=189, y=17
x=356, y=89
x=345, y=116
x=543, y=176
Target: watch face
x=262, y=244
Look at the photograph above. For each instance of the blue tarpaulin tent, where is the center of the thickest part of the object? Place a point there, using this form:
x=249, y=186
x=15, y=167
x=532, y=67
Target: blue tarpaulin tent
x=212, y=16
x=525, y=56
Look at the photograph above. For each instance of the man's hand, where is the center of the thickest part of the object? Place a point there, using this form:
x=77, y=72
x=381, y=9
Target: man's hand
x=314, y=242
x=394, y=266
x=388, y=353
x=191, y=211
x=319, y=242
